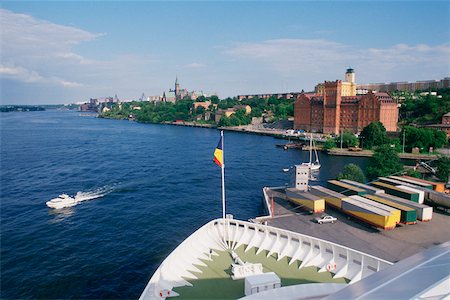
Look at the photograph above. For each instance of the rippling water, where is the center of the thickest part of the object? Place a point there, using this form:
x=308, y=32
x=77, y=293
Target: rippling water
x=146, y=188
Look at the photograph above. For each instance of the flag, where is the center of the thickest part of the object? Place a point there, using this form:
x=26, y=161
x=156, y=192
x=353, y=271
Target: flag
x=218, y=154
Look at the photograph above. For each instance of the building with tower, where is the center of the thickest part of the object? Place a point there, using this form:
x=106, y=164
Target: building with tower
x=331, y=110
x=179, y=94
x=348, y=87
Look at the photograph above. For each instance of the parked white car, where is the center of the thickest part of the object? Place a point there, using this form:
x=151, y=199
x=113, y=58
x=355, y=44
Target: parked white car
x=325, y=219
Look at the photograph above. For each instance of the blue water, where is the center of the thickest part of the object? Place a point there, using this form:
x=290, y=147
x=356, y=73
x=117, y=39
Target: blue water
x=159, y=184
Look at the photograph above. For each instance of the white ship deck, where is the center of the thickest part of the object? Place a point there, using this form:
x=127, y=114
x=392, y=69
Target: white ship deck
x=297, y=259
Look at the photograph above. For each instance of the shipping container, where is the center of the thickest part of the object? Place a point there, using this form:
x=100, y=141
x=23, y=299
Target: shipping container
x=407, y=186
x=331, y=198
x=396, y=214
x=393, y=190
x=369, y=189
x=414, y=182
x=426, y=191
x=305, y=200
x=345, y=188
x=430, y=196
x=392, y=181
x=424, y=212
x=368, y=213
x=408, y=214
x=417, y=190
x=437, y=186
x=438, y=199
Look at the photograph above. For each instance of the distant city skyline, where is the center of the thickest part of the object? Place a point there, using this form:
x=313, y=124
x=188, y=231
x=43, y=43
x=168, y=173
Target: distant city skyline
x=64, y=52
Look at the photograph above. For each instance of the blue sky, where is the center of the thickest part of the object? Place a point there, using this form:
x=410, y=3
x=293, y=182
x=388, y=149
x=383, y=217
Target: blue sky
x=62, y=52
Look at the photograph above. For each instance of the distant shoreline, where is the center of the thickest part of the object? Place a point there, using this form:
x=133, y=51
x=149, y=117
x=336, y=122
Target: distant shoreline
x=281, y=134
x=21, y=108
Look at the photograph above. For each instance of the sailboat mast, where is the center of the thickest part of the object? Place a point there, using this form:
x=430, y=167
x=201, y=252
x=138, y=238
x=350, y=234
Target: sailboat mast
x=310, y=149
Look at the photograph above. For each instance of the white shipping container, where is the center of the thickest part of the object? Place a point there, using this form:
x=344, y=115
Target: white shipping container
x=408, y=188
x=424, y=212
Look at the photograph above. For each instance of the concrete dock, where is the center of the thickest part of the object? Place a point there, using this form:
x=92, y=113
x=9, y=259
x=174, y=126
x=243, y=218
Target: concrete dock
x=394, y=245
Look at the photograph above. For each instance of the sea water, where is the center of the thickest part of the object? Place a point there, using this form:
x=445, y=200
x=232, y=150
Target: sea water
x=145, y=188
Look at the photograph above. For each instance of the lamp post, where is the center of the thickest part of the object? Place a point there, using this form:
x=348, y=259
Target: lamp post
x=404, y=131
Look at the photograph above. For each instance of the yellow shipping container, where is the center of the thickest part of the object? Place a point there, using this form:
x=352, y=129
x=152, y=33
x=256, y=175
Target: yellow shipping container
x=369, y=214
x=306, y=200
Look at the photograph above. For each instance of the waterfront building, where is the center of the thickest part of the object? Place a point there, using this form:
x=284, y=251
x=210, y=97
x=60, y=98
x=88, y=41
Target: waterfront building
x=330, y=112
x=205, y=105
x=247, y=108
x=169, y=96
x=230, y=111
x=287, y=96
x=348, y=87
x=444, y=126
x=406, y=86
x=179, y=94
x=155, y=98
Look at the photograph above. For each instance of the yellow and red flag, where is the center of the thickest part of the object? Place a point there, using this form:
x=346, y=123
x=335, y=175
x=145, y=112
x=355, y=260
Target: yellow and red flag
x=218, y=154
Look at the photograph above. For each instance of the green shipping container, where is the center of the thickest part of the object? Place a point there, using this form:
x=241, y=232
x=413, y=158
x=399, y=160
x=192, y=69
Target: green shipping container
x=345, y=188
x=393, y=190
x=408, y=214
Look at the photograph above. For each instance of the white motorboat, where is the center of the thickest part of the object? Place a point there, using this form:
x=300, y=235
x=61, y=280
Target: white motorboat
x=62, y=201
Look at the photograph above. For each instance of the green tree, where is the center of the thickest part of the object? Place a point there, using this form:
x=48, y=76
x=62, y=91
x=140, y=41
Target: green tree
x=273, y=100
x=256, y=112
x=443, y=168
x=423, y=138
x=352, y=172
x=426, y=109
x=224, y=121
x=440, y=139
x=348, y=139
x=413, y=173
x=329, y=144
x=372, y=135
x=214, y=99
x=384, y=162
x=200, y=110
x=395, y=143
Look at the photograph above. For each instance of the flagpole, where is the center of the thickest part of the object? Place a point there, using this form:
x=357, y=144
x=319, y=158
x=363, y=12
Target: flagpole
x=223, y=177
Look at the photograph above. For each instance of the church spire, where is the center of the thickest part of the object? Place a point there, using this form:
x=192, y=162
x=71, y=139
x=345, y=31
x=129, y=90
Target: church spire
x=177, y=89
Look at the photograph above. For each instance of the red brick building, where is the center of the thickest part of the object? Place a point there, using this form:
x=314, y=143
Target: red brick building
x=331, y=112
x=444, y=126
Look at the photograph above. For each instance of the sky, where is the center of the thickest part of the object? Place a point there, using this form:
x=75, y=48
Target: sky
x=64, y=52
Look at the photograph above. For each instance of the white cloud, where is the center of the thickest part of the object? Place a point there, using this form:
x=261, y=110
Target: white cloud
x=68, y=84
x=29, y=76
x=34, y=51
x=73, y=57
x=195, y=66
x=20, y=73
x=291, y=55
x=302, y=57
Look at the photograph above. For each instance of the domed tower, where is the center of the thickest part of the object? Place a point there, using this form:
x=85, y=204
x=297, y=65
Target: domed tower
x=350, y=75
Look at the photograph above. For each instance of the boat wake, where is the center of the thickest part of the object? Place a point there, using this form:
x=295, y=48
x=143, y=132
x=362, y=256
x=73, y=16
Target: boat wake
x=93, y=194
x=65, y=200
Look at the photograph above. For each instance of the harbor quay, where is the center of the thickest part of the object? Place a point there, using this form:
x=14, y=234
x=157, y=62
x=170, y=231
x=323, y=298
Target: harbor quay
x=391, y=245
